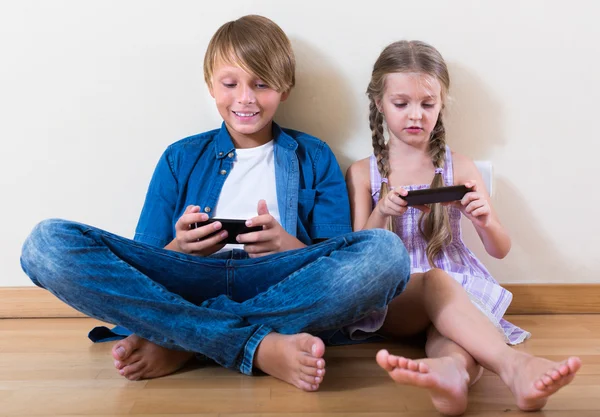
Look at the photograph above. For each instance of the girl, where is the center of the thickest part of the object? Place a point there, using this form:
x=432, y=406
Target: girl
x=407, y=92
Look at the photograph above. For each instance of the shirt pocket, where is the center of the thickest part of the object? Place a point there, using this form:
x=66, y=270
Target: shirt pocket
x=306, y=203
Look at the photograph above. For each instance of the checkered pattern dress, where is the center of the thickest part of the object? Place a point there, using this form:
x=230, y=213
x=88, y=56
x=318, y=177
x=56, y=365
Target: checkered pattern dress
x=456, y=259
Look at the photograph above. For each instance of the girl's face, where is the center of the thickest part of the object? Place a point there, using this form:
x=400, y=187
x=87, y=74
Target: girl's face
x=245, y=102
x=411, y=104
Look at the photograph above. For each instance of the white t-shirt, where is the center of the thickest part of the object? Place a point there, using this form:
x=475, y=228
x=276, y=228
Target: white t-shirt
x=251, y=179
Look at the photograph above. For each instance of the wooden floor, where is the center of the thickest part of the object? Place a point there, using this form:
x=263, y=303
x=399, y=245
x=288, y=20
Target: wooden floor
x=49, y=368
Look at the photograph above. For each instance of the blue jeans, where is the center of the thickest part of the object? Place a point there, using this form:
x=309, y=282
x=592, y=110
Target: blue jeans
x=220, y=308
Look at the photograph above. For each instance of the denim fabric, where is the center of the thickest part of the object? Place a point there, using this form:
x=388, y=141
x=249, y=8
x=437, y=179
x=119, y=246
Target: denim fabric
x=219, y=307
x=311, y=191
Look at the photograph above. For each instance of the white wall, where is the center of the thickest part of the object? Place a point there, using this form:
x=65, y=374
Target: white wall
x=92, y=92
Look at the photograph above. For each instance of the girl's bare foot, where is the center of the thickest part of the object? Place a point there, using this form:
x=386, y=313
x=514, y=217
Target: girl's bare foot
x=296, y=359
x=446, y=379
x=532, y=380
x=137, y=358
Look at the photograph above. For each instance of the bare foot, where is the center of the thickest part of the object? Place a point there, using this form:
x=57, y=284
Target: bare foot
x=532, y=380
x=446, y=379
x=137, y=358
x=296, y=359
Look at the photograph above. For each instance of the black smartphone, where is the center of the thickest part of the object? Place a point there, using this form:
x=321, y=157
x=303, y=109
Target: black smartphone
x=436, y=195
x=234, y=227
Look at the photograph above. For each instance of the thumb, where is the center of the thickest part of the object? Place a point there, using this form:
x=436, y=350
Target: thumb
x=262, y=207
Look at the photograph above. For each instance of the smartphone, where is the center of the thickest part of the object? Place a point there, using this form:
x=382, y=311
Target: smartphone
x=234, y=227
x=436, y=195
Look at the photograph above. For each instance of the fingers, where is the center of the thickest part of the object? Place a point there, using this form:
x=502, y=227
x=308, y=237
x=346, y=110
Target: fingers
x=262, y=207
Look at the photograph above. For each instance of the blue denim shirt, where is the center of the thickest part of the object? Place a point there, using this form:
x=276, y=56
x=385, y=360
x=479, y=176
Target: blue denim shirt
x=311, y=191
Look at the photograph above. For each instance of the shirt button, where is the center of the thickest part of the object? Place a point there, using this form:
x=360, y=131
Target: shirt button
x=223, y=172
x=230, y=155
x=207, y=209
x=220, y=153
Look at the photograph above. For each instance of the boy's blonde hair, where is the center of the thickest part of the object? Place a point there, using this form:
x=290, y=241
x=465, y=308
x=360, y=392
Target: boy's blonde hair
x=259, y=46
x=417, y=57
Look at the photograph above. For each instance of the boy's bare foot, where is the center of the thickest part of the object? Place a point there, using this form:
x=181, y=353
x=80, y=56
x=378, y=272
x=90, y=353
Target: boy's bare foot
x=296, y=359
x=137, y=358
x=446, y=379
x=532, y=380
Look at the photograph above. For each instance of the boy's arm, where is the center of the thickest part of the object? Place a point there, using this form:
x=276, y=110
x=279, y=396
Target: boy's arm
x=331, y=211
x=155, y=226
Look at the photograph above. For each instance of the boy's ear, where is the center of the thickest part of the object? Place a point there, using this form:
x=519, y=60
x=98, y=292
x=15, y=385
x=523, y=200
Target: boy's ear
x=210, y=89
x=285, y=95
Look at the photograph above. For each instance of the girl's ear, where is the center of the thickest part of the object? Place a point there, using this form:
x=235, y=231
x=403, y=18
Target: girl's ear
x=378, y=105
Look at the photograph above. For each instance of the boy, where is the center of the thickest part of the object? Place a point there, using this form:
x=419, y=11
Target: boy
x=179, y=289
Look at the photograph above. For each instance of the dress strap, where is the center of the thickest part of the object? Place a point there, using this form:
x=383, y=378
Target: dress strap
x=448, y=168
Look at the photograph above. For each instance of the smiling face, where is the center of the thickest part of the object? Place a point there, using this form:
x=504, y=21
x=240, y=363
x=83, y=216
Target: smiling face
x=411, y=104
x=245, y=102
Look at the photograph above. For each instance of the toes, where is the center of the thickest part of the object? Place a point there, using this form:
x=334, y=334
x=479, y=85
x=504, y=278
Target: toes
x=402, y=362
x=555, y=375
x=307, y=386
x=307, y=370
x=547, y=380
x=309, y=379
x=383, y=359
x=123, y=348
x=423, y=368
x=413, y=366
x=119, y=365
x=312, y=362
x=133, y=371
x=574, y=364
x=318, y=347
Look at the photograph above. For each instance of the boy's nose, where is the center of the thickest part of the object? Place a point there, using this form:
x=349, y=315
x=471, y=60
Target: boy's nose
x=246, y=96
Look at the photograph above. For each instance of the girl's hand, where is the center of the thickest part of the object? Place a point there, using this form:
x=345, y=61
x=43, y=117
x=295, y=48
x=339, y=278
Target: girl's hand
x=272, y=239
x=394, y=205
x=202, y=241
x=475, y=206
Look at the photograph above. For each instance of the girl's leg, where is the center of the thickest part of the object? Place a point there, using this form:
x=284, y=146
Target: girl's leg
x=531, y=379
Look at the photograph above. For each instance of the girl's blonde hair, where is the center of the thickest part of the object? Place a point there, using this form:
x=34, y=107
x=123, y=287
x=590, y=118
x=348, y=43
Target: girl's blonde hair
x=413, y=57
x=259, y=46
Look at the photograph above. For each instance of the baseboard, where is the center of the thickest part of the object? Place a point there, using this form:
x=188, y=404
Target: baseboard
x=33, y=302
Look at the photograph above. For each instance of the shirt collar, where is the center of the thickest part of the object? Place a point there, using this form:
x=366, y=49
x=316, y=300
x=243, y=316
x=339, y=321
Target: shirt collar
x=224, y=144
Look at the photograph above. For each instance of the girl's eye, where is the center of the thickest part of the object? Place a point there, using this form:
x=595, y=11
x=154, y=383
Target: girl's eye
x=428, y=105
x=400, y=105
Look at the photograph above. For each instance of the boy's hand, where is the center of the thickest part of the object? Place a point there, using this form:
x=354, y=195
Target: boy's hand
x=195, y=241
x=474, y=206
x=272, y=239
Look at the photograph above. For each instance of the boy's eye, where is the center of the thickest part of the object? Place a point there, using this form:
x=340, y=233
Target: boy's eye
x=229, y=85
x=261, y=85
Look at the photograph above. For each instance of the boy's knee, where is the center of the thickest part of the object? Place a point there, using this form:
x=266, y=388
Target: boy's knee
x=386, y=259
x=43, y=249
x=386, y=248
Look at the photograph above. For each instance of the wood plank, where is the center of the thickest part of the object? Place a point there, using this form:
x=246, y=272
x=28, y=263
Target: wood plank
x=32, y=302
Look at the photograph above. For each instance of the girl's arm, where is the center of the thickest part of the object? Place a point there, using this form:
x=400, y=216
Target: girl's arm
x=358, y=182
x=477, y=207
